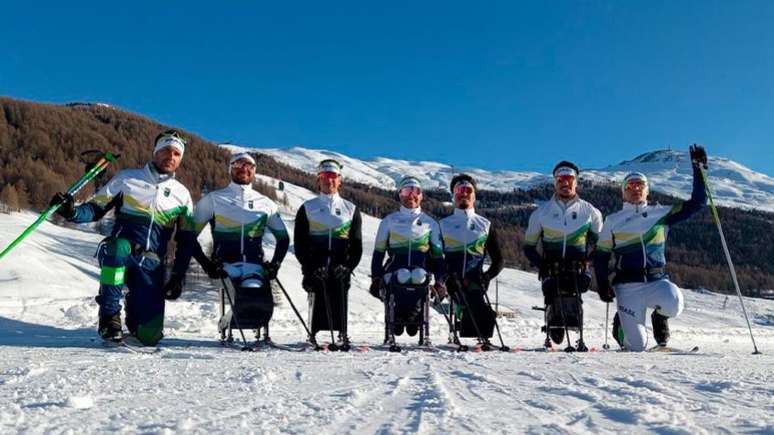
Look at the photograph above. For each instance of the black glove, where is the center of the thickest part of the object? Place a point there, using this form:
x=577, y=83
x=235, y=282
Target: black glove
x=543, y=270
x=321, y=273
x=341, y=272
x=308, y=283
x=376, y=288
x=173, y=288
x=66, y=203
x=606, y=292
x=698, y=156
x=270, y=270
x=214, y=269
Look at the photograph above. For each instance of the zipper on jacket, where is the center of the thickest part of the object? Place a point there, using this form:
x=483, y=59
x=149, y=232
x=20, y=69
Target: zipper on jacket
x=153, y=218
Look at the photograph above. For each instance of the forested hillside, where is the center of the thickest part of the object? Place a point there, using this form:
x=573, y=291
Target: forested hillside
x=41, y=144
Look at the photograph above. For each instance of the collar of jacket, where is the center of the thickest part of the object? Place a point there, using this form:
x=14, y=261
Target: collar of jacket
x=563, y=204
x=154, y=174
x=467, y=212
x=328, y=198
x=240, y=188
x=628, y=206
x=412, y=211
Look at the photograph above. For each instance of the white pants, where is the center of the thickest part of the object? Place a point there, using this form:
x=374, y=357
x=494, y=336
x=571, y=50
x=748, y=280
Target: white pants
x=634, y=299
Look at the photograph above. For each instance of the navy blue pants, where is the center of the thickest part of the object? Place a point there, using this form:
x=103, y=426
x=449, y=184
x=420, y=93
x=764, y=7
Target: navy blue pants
x=144, y=278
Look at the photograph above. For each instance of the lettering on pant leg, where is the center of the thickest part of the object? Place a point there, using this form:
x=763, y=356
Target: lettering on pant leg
x=626, y=310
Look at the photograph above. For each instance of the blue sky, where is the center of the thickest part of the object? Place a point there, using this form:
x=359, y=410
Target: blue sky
x=503, y=85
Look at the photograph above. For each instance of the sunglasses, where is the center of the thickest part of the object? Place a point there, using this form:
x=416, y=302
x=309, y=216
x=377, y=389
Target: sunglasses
x=636, y=184
x=463, y=189
x=328, y=175
x=410, y=191
x=565, y=178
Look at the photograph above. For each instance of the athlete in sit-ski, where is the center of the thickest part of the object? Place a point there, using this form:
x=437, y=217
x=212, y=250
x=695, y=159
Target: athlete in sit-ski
x=566, y=227
x=411, y=240
x=636, y=239
x=468, y=238
x=329, y=245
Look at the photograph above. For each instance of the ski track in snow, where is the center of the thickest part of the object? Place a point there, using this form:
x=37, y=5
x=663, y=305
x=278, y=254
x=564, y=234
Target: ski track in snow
x=56, y=377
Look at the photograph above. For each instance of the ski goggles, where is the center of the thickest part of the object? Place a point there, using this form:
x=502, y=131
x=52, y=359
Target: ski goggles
x=328, y=175
x=409, y=191
x=463, y=188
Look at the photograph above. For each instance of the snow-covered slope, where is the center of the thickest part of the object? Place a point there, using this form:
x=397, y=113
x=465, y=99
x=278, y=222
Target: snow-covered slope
x=55, y=377
x=734, y=185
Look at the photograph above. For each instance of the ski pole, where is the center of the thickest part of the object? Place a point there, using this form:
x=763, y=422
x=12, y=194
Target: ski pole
x=228, y=288
x=716, y=218
x=295, y=310
x=461, y=347
x=328, y=312
x=98, y=167
x=607, y=320
x=503, y=347
x=484, y=345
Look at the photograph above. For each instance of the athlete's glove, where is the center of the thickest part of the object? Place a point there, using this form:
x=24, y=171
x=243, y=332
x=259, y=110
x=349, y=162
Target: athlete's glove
x=270, y=270
x=66, y=203
x=606, y=292
x=214, y=269
x=439, y=289
x=341, y=272
x=698, y=156
x=174, y=287
x=376, y=288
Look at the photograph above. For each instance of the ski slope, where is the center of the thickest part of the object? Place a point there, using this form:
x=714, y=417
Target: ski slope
x=56, y=377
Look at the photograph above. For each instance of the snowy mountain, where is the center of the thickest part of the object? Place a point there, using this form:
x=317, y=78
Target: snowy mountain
x=56, y=377
x=734, y=185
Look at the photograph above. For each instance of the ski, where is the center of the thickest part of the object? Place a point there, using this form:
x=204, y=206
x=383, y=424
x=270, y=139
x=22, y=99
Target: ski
x=131, y=344
x=669, y=349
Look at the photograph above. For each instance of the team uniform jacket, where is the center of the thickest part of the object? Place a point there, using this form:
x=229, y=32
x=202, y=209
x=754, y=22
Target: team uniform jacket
x=467, y=239
x=148, y=207
x=565, y=230
x=238, y=217
x=411, y=239
x=637, y=235
x=327, y=233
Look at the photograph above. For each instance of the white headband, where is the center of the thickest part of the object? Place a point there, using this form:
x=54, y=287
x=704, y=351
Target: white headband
x=169, y=141
x=241, y=156
x=565, y=170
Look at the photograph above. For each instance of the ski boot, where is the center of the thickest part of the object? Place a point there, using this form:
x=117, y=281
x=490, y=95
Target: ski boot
x=110, y=327
x=660, y=324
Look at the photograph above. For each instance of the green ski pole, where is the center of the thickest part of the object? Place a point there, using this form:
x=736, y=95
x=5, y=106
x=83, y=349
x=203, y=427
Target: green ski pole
x=95, y=170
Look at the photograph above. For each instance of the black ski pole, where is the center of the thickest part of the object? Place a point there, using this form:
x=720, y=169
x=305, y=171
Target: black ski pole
x=460, y=347
x=503, y=347
x=484, y=342
x=227, y=287
x=731, y=268
x=607, y=320
x=328, y=312
x=295, y=310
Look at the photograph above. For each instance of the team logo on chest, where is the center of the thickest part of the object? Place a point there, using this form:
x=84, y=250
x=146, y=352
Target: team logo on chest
x=167, y=191
x=250, y=204
x=574, y=215
x=338, y=212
